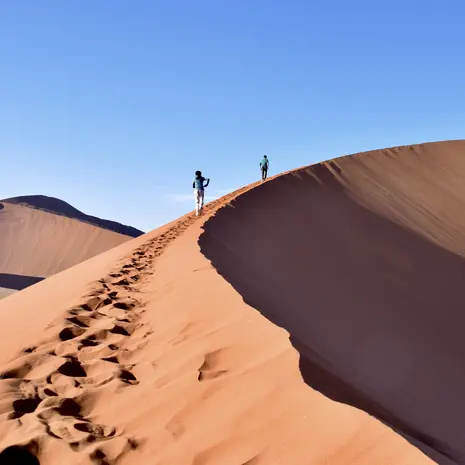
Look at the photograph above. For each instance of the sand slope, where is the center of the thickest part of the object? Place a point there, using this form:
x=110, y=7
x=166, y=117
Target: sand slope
x=362, y=260
x=145, y=354
x=36, y=244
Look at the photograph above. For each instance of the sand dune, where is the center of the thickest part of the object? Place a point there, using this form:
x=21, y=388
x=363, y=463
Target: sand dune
x=154, y=351
x=62, y=208
x=43, y=236
x=361, y=260
x=5, y=292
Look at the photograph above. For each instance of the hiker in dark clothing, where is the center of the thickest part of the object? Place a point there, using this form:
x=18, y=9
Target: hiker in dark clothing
x=199, y=191
x=264, y=164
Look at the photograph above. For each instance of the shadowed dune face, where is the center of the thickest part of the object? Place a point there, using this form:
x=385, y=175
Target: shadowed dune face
x=18, y=282
x=361, y=260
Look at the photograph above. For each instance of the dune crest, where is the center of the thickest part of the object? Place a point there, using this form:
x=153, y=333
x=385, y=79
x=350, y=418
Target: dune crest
x=62, y=208
x=146, y=354
x=361, y=259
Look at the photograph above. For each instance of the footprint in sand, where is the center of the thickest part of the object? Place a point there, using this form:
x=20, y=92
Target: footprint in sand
x=127, y=377
x=70, y=332
x=19, y=368
x=73, y=369
x=20, y=455
x=47, y=381
x=210, y=368
x=23, y=406
x=78, y=431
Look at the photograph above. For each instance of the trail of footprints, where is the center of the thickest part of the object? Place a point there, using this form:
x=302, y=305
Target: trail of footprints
x=55, y=384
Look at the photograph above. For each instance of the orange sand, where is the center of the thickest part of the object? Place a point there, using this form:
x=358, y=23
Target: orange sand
x=146, y=354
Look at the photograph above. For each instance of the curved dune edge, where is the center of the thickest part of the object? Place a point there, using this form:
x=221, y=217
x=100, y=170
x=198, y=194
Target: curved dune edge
x=160, y=361
x=361, y=259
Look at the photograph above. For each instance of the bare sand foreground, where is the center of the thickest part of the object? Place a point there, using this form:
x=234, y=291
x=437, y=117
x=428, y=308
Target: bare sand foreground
x=148, y=353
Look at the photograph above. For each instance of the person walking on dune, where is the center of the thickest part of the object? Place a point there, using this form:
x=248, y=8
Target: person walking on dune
x=199, y=191
x=264, y=164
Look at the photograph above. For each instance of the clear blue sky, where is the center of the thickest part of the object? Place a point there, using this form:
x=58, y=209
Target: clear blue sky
x=112, y=105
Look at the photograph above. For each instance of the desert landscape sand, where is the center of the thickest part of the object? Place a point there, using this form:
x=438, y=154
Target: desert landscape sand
x=41, y=236
x=4, y=292
x=162, y=351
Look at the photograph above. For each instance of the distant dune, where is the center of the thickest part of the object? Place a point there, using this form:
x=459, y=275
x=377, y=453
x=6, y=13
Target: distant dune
x=41, y=236
x=62, y=208
x=175, y=348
